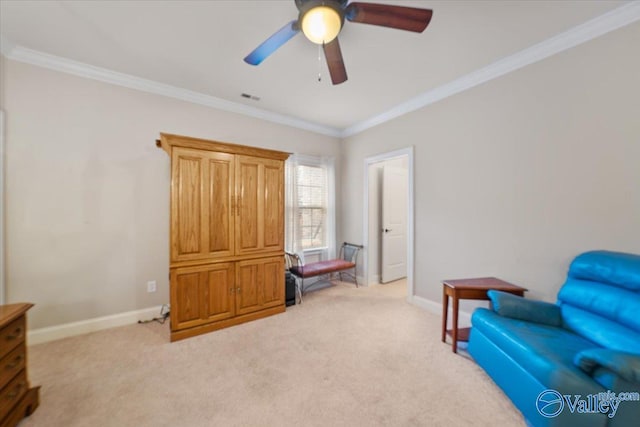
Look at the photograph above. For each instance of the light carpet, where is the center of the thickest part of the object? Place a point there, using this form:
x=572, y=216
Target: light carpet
x=345, y=357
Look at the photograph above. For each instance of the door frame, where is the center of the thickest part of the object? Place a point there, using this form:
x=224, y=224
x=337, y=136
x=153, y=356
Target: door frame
x=369, y=161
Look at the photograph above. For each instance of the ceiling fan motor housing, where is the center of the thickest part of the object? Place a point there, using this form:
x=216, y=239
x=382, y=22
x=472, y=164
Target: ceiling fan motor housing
x=301, y=3
x=305, y=6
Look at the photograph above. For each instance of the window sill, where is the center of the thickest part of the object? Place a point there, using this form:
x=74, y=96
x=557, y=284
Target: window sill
x=314, y=251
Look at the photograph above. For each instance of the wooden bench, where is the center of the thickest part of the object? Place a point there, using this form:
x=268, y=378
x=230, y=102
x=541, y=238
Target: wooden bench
x=341, y=265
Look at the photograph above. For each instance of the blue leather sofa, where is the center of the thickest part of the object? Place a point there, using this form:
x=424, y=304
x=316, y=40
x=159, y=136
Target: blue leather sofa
x=559, y=362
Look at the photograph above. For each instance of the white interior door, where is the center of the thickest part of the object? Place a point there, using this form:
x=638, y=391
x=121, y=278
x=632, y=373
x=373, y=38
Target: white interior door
x=394, y=224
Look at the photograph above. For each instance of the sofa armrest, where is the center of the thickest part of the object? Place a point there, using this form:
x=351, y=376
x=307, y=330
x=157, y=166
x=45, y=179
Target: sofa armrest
x=509, y=305
x=625, y=365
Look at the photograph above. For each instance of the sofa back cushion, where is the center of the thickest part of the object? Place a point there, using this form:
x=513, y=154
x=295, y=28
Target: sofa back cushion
x=600, y=299
x=613, y=268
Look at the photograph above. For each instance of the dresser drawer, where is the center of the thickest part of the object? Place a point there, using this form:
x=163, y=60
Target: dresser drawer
x=12, y=335
x=12, y=393
x=11, y=364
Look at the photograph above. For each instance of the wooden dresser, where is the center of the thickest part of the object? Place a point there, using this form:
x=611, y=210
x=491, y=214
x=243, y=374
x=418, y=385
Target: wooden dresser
x=17, y=399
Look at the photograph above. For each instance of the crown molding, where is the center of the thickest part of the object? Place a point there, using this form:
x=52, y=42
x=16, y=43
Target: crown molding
x=610, y=21
x=64, y=65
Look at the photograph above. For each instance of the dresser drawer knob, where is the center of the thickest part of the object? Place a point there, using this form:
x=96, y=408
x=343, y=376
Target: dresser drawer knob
x=16, y=391
x=16, y=334
x=15, y=362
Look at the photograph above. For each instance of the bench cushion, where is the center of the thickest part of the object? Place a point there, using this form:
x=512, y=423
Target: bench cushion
x=322, y=267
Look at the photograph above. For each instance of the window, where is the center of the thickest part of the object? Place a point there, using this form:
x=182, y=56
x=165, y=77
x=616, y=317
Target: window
x=310, y=208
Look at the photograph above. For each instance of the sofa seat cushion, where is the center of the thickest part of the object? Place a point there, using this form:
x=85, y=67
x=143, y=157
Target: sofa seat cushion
x=546, y=352
x=322, y=267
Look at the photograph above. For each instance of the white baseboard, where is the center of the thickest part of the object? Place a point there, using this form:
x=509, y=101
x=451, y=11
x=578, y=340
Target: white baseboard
x=464, y=318
x=51, y=333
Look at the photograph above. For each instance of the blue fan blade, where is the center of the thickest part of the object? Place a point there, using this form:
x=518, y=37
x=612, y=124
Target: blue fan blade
x=271, y=44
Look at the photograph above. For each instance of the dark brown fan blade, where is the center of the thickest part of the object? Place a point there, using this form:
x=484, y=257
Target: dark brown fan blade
x=333, y=54
x=386, y=15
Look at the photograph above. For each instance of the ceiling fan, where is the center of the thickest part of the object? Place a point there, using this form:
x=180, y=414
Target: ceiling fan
x=322, y=20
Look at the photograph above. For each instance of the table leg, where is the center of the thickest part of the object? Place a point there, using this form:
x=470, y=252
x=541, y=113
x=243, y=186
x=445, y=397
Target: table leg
x=454, y=326
x=445, y=312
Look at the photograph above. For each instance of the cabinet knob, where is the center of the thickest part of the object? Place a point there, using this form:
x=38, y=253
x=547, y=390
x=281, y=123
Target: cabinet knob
x=238, y=290
x=15, y=362
x=16, y=334
x=16, y=391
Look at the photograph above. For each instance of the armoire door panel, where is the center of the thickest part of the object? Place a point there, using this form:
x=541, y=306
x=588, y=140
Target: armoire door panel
x=273, y=282
x=221, y=191
x=221, y=292
x=248, y=280
x=202, y=212
x=186, y=205
x=273, y=228
x=249, y=205
x=186, y=298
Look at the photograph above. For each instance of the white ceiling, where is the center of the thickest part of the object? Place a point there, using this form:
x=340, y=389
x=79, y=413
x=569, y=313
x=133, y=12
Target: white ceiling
x=199, y=46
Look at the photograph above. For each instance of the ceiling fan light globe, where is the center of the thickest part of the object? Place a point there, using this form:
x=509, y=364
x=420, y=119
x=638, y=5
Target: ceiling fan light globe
x=321, y=24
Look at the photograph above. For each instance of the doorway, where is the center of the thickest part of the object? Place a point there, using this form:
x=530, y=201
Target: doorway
x=388, y=218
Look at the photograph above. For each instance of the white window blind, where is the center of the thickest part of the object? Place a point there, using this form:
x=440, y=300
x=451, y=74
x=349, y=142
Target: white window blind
x=312, y=206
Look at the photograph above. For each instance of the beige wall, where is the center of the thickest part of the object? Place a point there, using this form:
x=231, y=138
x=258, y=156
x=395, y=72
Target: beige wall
x=515, y=177
x=2, y=167
x=88, y=191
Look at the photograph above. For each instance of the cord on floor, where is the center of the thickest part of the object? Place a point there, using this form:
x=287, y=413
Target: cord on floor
x=164, y=315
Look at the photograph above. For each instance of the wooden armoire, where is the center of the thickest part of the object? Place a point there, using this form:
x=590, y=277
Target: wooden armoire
x=226, y=234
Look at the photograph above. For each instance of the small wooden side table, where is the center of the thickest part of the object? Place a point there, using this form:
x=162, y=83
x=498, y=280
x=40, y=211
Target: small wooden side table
x=469, y=289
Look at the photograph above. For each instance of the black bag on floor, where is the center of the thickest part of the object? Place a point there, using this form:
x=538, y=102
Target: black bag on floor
x=290, y=288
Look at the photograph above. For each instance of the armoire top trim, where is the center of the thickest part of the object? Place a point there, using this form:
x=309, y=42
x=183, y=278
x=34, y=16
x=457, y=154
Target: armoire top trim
x=168, y=140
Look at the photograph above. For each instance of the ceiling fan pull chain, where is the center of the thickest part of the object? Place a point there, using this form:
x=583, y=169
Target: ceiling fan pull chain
x=320, y=62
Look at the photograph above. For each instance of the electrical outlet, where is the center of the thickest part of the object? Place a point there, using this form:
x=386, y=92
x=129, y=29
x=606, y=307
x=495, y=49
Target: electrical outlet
x=151, y=286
